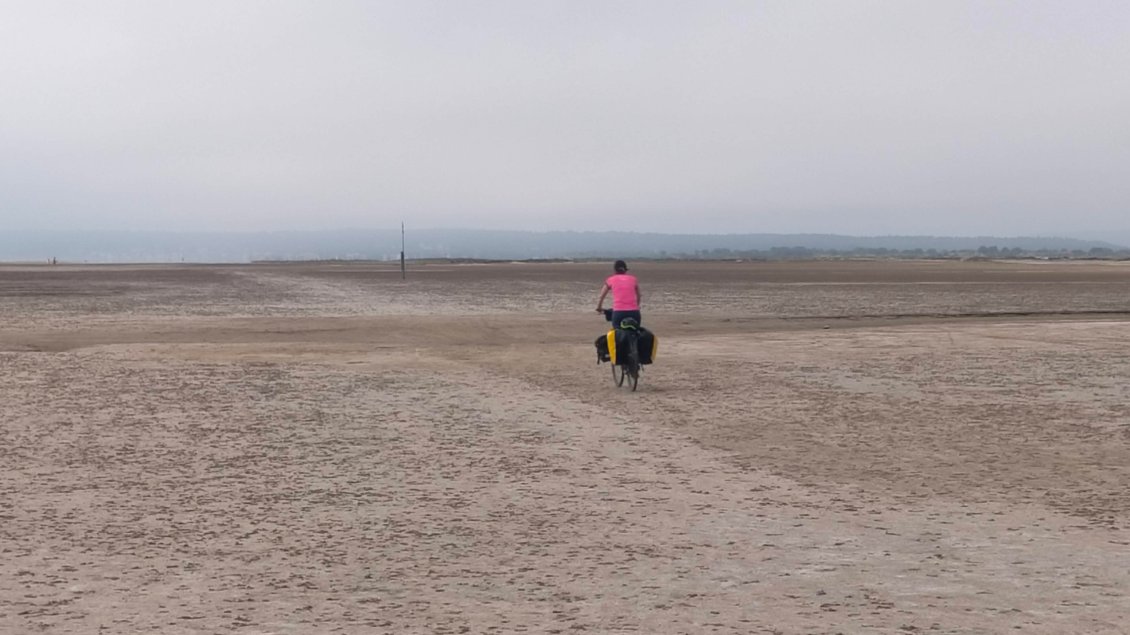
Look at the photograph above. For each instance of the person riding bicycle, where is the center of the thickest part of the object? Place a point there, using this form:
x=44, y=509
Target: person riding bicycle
x=625, y=295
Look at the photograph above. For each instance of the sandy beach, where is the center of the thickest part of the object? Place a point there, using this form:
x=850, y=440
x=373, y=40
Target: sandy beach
x=821, y=447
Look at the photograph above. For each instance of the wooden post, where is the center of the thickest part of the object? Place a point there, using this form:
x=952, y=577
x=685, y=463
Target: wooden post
x=403, y=271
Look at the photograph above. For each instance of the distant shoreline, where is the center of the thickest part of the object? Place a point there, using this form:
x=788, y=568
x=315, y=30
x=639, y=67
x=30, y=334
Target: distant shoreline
x=504, y=246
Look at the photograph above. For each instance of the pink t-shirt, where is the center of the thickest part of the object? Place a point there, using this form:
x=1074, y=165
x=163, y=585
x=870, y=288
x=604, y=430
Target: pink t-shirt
x=624, y=297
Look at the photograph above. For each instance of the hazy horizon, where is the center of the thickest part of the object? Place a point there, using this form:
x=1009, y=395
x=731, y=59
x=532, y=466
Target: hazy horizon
x=138, y=246
x=860, y=118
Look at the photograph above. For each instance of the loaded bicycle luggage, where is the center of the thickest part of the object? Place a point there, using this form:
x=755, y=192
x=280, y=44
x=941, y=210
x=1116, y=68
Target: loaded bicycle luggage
x=628, y=349
x=607, y=345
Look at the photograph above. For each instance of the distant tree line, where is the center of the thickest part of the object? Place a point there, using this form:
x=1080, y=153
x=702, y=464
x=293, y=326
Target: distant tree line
x=985, y=251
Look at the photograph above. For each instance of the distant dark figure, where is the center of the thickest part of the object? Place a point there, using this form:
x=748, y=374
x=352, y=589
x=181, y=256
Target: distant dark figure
x=625, y=295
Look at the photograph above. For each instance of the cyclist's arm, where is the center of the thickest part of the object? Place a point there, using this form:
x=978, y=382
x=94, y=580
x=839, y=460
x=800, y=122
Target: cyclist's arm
x=639, y=296
x=603, y=293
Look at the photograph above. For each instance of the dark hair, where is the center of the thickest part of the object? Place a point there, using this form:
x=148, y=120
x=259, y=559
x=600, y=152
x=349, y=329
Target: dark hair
x=620, y=266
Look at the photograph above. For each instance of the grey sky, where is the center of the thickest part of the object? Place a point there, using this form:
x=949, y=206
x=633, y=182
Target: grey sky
x=859, y=117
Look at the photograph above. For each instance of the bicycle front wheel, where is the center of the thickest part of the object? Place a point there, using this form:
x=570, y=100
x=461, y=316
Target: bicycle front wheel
x=618, y=374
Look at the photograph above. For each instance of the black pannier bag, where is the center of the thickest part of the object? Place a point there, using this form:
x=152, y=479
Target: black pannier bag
x=602, y=349
x=648, y=346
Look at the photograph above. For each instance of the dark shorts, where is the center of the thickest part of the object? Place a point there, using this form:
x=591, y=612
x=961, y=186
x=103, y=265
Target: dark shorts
x=617, y=316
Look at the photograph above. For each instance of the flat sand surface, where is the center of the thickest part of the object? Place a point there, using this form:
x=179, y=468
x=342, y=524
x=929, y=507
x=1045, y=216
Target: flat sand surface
x=821, y=447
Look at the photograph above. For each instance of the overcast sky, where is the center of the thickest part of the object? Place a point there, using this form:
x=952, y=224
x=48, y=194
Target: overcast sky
x=858, y=117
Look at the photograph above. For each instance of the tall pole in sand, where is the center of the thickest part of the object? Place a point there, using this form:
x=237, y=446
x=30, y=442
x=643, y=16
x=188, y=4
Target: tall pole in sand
x=403, y=272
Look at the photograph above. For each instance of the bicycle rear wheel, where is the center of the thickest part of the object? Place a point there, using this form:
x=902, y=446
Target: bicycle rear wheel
x=632, y=374
x=632, y=369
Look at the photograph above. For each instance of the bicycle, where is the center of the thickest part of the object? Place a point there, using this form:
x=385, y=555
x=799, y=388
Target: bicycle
x=627, y=366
